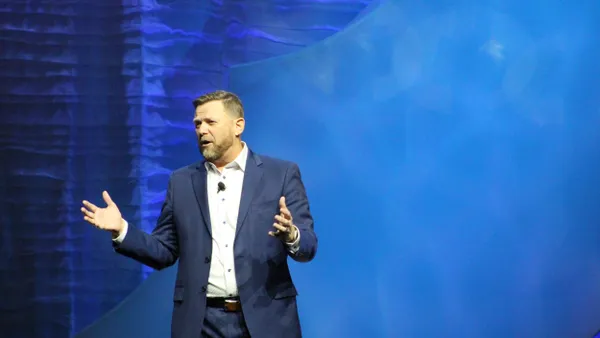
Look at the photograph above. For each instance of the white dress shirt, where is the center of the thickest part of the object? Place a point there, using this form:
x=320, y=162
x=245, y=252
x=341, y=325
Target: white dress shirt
x=224, y=206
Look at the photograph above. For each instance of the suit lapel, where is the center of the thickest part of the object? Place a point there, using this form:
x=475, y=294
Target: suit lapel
x=252, y=179
x=199, y=184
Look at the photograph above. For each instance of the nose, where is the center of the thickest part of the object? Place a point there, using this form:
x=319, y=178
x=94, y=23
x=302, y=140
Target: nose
x=203, y=129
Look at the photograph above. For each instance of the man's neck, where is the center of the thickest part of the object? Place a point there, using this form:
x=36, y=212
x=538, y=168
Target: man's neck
x=231, y=154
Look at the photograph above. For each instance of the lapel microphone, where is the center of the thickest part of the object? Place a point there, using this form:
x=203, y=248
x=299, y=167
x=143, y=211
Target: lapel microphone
x=221, y=187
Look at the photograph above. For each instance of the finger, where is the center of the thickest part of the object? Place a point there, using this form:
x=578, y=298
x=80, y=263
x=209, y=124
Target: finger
x=90, y=220
x=282, y=202
x=90, y=206
x=107, y=198
x=283, y=221
x=276, y=233
x=280, y=227
x=286, y=213
x=87, y=213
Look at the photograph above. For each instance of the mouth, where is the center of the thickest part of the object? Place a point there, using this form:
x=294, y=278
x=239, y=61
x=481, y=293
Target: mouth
x=205, y=143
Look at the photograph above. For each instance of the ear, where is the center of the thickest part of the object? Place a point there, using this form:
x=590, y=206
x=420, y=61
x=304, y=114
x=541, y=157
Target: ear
x=240, y=123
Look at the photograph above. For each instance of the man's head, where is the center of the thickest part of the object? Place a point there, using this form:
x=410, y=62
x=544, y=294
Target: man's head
x=219, y=121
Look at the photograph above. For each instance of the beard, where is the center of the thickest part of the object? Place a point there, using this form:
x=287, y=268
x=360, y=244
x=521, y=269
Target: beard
x=215, y=150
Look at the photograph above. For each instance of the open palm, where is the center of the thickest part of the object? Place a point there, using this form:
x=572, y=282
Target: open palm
x=108, y=218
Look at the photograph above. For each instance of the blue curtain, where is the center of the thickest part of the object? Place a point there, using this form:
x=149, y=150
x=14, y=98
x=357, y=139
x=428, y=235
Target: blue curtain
x=96, y=96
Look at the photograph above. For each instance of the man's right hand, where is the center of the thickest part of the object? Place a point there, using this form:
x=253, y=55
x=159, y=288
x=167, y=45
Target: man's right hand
x=108, y=218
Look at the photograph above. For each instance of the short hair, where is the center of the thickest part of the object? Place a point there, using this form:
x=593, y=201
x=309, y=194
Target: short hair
x=231, y=102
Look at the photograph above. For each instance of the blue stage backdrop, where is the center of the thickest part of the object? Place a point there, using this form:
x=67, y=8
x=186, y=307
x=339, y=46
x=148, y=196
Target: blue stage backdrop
x=449, y=149
x=450, y=152
x=97, y=95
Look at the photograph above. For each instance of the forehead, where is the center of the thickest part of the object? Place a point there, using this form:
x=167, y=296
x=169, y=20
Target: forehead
x=212, y=109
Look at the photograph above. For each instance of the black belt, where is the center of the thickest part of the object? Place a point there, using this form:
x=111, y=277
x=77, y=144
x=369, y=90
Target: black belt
x=228, y=304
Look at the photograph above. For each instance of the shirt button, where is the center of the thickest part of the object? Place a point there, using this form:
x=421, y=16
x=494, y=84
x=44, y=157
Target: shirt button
x=227, y=245
x=229, y=270
x=224, y=177
x=224, y=222
x=204, y=289
x=223, y=200
x=206, y=260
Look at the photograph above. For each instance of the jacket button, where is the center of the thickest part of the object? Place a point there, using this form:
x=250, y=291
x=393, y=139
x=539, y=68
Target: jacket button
x=206, y=260
x=204, y=289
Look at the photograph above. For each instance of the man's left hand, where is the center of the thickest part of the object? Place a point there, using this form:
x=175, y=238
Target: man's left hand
x=284, y=225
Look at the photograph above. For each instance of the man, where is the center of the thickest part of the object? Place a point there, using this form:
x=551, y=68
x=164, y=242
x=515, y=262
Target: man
x=231, y=220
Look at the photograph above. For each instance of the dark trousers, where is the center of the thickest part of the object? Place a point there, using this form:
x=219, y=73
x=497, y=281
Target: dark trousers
x=219, y=323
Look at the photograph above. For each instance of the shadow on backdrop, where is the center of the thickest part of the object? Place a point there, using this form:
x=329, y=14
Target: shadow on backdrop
x=449, y=153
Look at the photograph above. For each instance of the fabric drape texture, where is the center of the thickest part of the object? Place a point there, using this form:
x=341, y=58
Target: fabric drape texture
x=97, y=96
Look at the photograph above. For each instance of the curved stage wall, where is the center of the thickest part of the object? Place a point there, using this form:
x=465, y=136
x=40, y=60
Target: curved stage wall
x=450, y=155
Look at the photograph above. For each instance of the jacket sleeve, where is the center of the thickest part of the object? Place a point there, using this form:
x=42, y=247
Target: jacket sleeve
x=159, y=249
x=297, y=202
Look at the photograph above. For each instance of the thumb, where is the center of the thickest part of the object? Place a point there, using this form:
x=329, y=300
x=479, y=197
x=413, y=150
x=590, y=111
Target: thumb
x=282, y=202
x=107, y=198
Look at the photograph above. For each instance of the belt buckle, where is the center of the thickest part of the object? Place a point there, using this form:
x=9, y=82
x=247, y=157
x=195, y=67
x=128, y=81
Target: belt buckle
x=231, y=305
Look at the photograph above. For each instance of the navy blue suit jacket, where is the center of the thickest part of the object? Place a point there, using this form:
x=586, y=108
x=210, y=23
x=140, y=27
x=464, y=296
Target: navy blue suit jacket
x=183, y=231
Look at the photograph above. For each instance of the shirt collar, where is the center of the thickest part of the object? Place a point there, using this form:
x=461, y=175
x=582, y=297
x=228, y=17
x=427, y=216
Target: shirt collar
x=239, y=162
